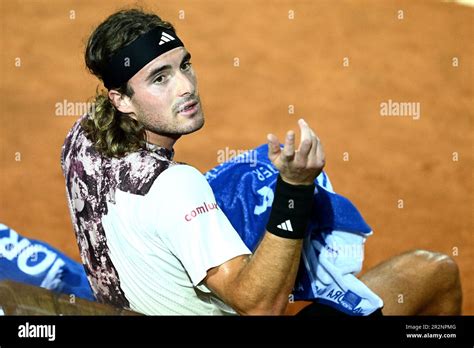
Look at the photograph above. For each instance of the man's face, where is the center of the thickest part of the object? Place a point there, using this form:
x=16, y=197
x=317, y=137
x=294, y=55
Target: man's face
x=166, y=98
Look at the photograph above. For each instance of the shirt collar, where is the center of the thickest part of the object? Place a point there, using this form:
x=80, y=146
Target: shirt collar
x=161, y=151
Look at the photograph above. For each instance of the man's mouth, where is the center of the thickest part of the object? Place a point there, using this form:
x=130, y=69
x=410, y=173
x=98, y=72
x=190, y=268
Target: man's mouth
x=189, y=108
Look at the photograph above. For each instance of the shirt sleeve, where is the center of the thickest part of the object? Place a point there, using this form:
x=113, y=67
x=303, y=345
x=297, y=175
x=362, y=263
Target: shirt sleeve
x=191, y=224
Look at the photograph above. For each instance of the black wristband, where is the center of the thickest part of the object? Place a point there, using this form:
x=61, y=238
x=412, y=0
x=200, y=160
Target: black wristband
x=291, y=210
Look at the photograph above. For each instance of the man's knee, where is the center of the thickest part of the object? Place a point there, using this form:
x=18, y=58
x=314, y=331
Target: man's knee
x=442, y=277
x=438, y=265
x=429, y=282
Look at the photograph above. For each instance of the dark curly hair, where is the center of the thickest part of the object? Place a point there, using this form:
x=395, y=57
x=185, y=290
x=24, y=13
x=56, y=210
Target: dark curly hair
x=114, y=133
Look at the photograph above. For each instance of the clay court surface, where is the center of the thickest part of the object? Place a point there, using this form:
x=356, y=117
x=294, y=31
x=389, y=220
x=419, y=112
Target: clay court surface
x=410, y=178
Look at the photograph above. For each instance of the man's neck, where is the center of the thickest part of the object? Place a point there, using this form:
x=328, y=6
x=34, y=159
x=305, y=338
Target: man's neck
x=166, y=141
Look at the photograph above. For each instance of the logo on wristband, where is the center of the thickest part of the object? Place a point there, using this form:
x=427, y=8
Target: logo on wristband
x=285, y=226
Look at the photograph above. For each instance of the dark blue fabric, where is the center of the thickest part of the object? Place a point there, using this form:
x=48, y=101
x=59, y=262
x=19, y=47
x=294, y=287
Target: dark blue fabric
x=244, y=188
x=30, y=261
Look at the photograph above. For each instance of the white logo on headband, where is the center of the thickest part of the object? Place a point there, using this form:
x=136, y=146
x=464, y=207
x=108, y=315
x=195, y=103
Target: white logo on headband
x=165, y=38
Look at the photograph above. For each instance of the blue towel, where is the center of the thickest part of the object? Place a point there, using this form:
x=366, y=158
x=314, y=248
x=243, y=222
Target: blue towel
x=36, y=263
x=333, y=251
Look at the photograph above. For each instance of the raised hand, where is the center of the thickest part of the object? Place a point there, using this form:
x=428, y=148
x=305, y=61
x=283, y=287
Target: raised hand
x=301, y=166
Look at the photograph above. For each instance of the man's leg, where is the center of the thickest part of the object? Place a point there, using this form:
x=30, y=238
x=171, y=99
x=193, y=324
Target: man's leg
x=417, y=283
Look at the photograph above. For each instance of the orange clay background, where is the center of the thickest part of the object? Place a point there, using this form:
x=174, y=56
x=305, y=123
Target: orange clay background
x=373, y=160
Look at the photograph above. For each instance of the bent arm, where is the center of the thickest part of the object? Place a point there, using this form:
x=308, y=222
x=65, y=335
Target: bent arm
x=261, y=283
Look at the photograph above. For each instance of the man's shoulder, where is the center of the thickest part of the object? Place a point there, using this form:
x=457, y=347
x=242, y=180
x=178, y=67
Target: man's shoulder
x=137, y=171
x=70, y=141
x=182, y=181
x=134, y=173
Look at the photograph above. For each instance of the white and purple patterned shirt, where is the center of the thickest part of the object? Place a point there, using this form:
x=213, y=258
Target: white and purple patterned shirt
x=148, y=228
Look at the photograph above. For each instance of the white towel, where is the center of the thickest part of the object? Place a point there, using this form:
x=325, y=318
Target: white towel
x=333, y=268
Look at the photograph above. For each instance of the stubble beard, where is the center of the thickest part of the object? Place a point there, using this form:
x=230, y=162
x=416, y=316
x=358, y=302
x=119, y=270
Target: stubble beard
x=174, y=129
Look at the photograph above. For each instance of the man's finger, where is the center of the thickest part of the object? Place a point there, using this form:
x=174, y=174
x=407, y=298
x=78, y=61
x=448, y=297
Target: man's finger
x=273, y=145
x=305, y=130
x=316, y=156
x=312, y=157
x=303, y=151
x=320, y=155
x=289, y=148
x=306, y=142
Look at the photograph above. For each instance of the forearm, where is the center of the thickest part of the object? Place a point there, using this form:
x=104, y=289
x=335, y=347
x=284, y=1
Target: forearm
x=264, y=281
x=264, y=284
x=261, y=284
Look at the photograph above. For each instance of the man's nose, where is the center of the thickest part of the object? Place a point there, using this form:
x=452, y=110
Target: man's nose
x=185, y=84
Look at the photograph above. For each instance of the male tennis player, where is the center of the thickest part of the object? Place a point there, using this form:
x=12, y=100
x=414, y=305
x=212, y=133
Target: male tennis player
x=151, y=235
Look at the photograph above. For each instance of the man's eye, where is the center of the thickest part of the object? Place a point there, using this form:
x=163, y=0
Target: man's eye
x=186, y=66
x=159, y=79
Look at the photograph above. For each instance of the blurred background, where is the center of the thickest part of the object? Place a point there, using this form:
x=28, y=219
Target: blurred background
x=261, y=65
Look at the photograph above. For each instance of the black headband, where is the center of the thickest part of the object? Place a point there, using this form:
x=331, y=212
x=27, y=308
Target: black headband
x=130, y=59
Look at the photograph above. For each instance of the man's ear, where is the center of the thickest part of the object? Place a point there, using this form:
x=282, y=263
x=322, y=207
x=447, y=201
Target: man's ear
x=121, y=101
